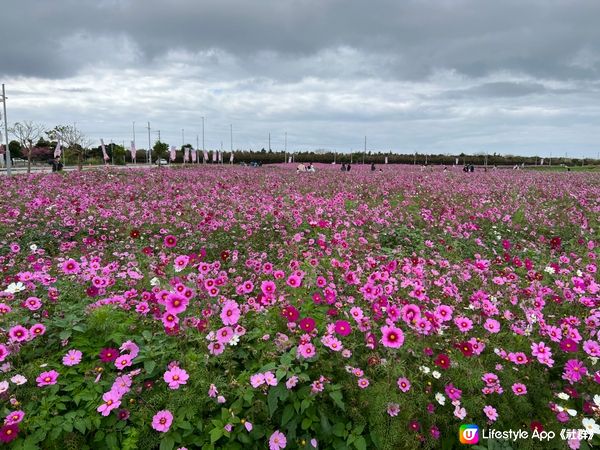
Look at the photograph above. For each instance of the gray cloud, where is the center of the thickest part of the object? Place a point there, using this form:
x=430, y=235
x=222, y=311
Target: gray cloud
x=420, y=74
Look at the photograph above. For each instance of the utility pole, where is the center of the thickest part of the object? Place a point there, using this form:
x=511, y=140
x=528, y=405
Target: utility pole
x=197, y=145
x=269, y=140
x=285, y=149
x=182, y=137
x=7, y=150
x=149, y=145
x=365, y=152
x=203, y=139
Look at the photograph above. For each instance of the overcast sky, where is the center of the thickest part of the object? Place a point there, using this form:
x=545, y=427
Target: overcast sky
x=444, y=76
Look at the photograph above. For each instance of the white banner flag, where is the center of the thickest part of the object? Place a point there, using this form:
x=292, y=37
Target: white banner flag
x=290, y=160
x=205, y=154
x=57, y=150
x=194, y=155
x=186, y=154
x=386, y=160
x=214, y=155
x=220, y=157
x=231, y=158
x=104, y=154
x=132, y=150
x=173, y=154
x=456, y=162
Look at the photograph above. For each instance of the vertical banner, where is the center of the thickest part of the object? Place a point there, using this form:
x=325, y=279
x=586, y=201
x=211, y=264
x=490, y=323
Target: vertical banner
x=194, y=155
x=542, y=162
x=104, y=154
x=386, y=159
x=57, y=150
x=133, y=151
x=173, y=154
x=186, y=155
x=231, y=158
x=214, y=156
x=456, y=162
x=205, y=160
x=221, y=157
x=290, y=160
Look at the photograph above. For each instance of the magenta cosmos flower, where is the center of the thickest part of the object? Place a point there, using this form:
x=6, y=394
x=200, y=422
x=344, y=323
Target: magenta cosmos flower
x=342, y=328
x=162, y=421
x=72, y=358
x=392, y=337
x=9, y=433
x=170, y=241
x=175, y=303
x=403, y=384
x=277, y=441
x=108, y=354
x=175, y=377
x=47, y=378
x=519, y=389
x=70, y=267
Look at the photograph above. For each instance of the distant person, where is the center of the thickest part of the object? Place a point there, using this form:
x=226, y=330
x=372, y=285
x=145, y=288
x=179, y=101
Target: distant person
x=465, y=168
x=57, y=165
x=343, y=167
x=445, y=169
x=301, y=168
x=471, y=168
x=310, y=168
x=348, y=168
x=372, y=167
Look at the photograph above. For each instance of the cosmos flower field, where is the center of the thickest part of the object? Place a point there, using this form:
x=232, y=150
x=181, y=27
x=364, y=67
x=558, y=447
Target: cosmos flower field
x=238, y=308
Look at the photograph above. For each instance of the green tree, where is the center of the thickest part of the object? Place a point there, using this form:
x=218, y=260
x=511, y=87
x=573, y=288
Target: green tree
x=160, y=150
x=15, y=149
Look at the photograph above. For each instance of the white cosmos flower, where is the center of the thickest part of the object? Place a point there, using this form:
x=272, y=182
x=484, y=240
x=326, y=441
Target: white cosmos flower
x=33, y=247
x=13, y=288
x=597, y=400
x=425, y=369
x=436, y=374
x=591, y=426
x=439, y=397
x=19, y=380
x=3, y=387
x=154, y=281
x=234, y=340
x=563, y=396
x=549, y=270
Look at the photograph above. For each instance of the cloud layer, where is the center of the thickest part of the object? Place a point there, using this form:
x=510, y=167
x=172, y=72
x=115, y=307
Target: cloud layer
x=438, y=76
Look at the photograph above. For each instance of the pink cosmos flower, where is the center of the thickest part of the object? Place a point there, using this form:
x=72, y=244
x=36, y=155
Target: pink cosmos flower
x=162, y=421
x=392, y=337
x=37, y=330
x=4, y=352
x=181, y=262
x=175, y=377
x=574, y=371
x=268, y=288
x=464, y=324
x=224, y=335
x=169, y=320
x=307, y=350
x=277, y=441
x=452, y=392
x=14, y=417
x=131, y=347
x=291, y=382
x=257, y=380
x=121, y=385
x=294, y=281
x=72, y=358
x=248, y=426
x=230, y=313
x=492, y=326
x=212, y=391
x=33, y=303
x=47, y=378
x=393, y=409
x=123, y=361
x=112, y=400
x=519, y=389
x=403, y=384
x=18, y=333
x=270, y=379
x=70, y=267
x=363, y=383
x=491, y=413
